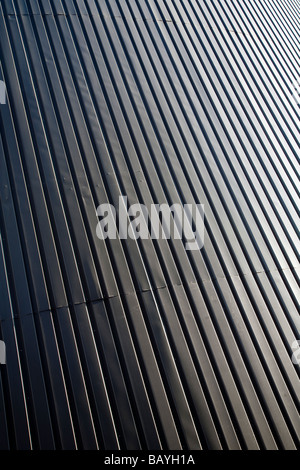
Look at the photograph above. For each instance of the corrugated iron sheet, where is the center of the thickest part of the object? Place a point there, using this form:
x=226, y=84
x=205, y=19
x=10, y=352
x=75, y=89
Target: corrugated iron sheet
x=141, y=344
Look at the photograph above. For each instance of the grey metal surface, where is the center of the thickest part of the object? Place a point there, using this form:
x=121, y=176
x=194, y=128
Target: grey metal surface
x=125, y=344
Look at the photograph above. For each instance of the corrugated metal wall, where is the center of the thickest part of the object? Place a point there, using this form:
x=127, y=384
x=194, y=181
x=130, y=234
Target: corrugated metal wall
x=141, y=344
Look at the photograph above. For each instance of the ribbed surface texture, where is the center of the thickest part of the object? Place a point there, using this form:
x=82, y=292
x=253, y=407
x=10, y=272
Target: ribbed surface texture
x=140, y=343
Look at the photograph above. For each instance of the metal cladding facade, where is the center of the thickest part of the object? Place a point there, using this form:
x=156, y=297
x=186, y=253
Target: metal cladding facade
x=141, y=343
